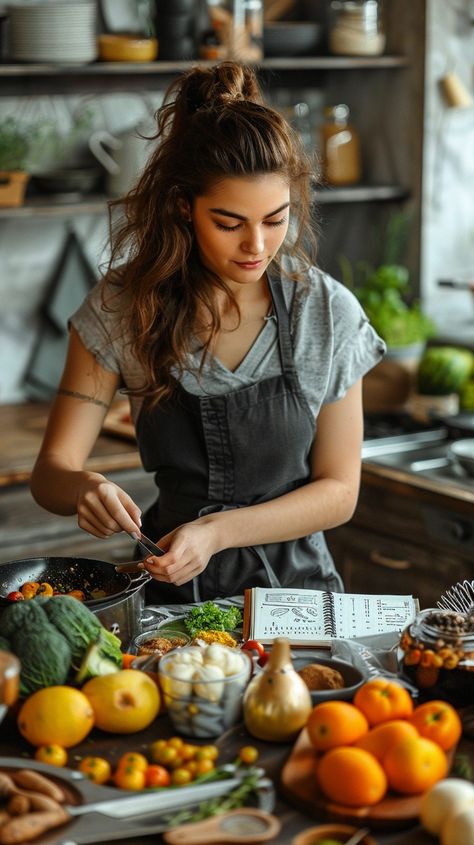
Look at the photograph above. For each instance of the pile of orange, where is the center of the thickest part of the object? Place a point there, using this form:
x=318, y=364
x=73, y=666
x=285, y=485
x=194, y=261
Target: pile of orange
x=379, y=742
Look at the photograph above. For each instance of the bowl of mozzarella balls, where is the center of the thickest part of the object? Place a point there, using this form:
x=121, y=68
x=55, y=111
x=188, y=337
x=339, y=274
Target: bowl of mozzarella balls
x=203, y=687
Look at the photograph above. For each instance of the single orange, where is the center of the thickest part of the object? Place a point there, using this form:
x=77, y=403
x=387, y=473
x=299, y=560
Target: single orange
x=438, y=720
x=334, y=723
x=381, y=737
x=414, y=765
x=351, y=776
x=381, y=700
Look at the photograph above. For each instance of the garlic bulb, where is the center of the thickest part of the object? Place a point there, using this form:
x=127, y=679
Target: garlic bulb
x=205, y=674
x=177, y=681
x=216, y=654
x=190, y=654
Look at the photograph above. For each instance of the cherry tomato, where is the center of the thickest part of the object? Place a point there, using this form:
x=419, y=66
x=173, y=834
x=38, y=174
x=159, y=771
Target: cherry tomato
x=204, y=766
x=253, y=645
x=248, y=754
x=157, y=776
x=127, y=777
x=97, y=769
x=181, y=776
x=15, y=595
x=176, y=742
x=127, y=660
x=55, y=755
x=207, y=752
x=166, y=756
x=133, y=760
x=188, y=751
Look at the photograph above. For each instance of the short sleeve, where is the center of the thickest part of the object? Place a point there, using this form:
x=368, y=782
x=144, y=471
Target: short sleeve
x=96, y=327
x=356, y=345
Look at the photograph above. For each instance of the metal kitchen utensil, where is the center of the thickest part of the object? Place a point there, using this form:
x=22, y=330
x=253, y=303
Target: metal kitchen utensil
x=459, y=597
x=146, y=544
x=358, y=836
x=243, y=825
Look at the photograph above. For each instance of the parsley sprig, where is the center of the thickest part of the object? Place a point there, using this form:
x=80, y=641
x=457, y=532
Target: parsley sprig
x=210, y=617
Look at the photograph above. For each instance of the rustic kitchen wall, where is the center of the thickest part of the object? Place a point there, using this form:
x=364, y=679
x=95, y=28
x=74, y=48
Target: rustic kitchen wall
x=448, y=178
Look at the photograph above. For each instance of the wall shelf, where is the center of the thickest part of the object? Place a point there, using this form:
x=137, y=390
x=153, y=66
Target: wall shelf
x=97, y=204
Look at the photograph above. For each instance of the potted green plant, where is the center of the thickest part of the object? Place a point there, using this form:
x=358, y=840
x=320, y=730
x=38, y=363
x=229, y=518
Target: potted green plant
x=14, y=149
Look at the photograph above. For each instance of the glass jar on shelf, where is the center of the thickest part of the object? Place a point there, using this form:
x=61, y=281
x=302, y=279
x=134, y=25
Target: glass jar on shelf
x=356, y=28
x=437, y=655
x=340, y=147
x=236, y=30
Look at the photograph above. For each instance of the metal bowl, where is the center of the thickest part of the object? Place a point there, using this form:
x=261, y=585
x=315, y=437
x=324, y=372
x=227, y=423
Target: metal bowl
x=462, y=453
x=353, y=678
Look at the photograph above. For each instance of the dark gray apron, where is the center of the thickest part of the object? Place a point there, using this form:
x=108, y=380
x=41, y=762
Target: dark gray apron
x=211, y=453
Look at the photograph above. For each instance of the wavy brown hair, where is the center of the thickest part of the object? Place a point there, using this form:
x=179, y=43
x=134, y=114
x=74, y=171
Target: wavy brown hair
x=213, y=125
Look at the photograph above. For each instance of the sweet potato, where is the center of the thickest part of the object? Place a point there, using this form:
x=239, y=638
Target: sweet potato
x=18, y=804
x=38, y=783
x=7, y=787
x=29, y=826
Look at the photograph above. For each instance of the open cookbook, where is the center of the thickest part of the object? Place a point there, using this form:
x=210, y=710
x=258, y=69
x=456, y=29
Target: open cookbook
x=314, y=617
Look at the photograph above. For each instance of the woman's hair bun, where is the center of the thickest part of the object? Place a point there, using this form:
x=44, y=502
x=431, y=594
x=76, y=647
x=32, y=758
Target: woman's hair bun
x=228, y=82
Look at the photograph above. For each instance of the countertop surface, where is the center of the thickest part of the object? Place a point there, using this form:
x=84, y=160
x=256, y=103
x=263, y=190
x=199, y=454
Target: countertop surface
x=22, y=427
x=272, y=757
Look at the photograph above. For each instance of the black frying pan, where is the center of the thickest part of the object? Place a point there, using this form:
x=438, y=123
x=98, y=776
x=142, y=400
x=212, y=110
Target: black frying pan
x=65, y=574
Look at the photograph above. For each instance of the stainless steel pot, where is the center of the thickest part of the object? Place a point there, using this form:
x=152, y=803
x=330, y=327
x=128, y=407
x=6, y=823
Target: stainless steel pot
x=127, y=616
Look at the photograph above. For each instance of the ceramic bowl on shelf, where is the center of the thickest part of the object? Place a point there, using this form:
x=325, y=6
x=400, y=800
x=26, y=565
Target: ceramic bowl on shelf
x=126, y=48
x=329, y=672
x=329, y=833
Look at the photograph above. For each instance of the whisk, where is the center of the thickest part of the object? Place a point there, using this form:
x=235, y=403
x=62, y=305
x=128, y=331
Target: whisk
x=459, y=597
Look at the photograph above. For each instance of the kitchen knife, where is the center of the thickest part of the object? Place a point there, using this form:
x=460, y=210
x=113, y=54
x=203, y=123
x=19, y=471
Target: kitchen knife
x=148, y=545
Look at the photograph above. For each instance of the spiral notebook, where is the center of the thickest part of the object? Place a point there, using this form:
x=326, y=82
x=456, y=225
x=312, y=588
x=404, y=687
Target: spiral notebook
x=314, y=617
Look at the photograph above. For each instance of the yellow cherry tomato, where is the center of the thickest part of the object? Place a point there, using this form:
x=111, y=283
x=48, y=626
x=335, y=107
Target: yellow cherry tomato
x=181, y=776
x=166, y=756
x=135, y=760
x=204, y=766
x=127, y=777
x=97, y=769
x=176, y=742
x=156, y=748
x=207, y=752
x=248, y=754
x=188, y=751
x=55, y=755
x=192, y=767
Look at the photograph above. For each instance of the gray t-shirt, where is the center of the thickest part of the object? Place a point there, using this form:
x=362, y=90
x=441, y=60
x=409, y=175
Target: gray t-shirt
x=334, y=344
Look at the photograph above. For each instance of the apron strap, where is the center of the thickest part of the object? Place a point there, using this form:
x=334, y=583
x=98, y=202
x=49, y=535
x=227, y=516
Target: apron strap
x=283, y=325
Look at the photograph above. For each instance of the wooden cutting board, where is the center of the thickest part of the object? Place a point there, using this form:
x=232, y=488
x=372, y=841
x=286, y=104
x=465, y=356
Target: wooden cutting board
x=118, y=422
x=299, y=785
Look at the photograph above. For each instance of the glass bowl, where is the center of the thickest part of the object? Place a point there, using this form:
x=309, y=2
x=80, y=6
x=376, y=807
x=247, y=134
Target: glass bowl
x=203, y=699
x=159, y=641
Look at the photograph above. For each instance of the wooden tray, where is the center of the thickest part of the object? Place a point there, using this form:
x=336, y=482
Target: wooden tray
x=118, y=422
x=299, y=785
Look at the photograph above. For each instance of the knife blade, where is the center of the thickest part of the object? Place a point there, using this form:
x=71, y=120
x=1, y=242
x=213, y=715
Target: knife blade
x=147, y=544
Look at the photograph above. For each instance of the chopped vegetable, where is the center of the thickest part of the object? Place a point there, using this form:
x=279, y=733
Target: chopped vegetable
x=210, y=617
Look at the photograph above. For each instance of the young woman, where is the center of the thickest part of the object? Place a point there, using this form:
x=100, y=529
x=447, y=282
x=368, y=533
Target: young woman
x=242, y=361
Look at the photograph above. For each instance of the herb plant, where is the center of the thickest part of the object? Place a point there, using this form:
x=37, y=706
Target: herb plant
x=210, y=617
x=14, y=145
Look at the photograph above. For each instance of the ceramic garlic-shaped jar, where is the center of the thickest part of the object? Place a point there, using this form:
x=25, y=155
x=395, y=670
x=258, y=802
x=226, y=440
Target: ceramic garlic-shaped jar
x=277, y=702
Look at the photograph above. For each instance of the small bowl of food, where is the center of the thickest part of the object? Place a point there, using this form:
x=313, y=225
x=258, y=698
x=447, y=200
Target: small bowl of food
x=203, y=688
x=330, y=834
x=329, y=678
x=159, y=641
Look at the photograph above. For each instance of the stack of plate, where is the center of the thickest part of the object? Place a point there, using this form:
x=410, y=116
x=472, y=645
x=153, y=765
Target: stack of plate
x=53, y=31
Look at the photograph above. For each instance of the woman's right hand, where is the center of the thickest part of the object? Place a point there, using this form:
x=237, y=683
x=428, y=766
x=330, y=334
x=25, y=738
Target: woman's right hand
x=103, y=508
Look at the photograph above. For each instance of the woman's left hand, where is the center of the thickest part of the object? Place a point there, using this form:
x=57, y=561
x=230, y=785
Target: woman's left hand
x=187, y=552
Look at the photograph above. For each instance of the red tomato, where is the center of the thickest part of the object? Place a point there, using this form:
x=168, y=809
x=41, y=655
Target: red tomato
x=157, y=776
x=15, y=596
x=253, y=645
x=262, y=660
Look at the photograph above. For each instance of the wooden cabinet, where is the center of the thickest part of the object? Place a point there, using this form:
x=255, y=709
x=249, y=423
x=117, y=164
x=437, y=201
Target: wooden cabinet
x=403, y=540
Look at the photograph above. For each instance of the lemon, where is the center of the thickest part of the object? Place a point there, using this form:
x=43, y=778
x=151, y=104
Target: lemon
x=57, y=715
x=123, y=702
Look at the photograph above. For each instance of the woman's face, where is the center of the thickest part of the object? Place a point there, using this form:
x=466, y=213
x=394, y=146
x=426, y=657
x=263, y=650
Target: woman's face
x=240, y=224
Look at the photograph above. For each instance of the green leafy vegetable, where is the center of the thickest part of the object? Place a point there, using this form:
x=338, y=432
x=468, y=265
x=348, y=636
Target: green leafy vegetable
x=238, y=797
x=210, y=617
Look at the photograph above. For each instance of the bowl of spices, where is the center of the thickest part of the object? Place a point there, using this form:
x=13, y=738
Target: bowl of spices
x=160, y=641
x=437, y=655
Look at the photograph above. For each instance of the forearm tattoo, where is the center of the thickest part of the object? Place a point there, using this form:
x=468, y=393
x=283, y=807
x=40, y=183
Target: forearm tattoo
x=75, y=395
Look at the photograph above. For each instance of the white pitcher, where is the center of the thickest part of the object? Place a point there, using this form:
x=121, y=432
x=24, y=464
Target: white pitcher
x=123, y=156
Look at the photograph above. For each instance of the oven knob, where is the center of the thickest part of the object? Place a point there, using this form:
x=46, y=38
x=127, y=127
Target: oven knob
x=459, y=530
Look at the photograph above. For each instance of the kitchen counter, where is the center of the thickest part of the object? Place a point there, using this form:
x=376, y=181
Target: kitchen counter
x=272, y=757
x=22, y=428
